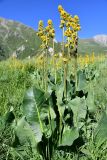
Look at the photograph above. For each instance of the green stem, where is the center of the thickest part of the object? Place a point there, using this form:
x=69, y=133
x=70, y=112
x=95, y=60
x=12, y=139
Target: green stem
x=65, y=78
x=68, y=47
x=53, y=46
x=76, y=81
x=76, y=63
x=43, y=71
x=54, y=61
x=63, y=41
x=41, y=126
x=46, y=65
x=46, y=69
x=55, y=69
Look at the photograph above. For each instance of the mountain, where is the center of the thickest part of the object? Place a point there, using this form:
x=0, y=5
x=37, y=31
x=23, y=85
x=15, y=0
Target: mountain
x=21, y=40
x=97, y=44
x=16, y=38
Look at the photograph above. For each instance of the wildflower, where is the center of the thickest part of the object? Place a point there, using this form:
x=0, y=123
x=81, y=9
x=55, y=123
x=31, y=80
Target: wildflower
x=60, y=8
x=56, y=55
x=68, y=24
x=41, y=23
x=65, y=59
x=62, y=22
x=47, y=28
x=70, y=19
x=63, y=14
x=76, y=18
x=49, y=22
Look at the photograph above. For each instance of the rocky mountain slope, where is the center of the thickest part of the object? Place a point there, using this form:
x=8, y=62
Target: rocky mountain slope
x=16, y=38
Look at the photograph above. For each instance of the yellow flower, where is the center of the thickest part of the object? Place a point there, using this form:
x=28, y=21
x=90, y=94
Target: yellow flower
x=52, y=35
x=61, y=26
x=92, y=57
x=43, y=38
x=66, y=45
x=62, y=22
x=53, y=31
x=40, y=29
x=73, y=25
x=68, y=24
x=41, y=23
x=76, y=18
x=70, y=41
x=64, y=14
x=49, y=22
x=40, y=33
x=70, y=19
x=65, y=60
x=86, y=59
x=47, y=28
x=42, y=46
x=60, y=8
x=77, y=27
x=74, y=35
x=68, y=33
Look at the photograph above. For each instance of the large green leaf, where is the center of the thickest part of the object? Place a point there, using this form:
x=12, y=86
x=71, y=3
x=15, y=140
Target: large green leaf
x=82, y=82
x=35, y=101
x=78, y=106
x=25, y=132
x=69, y=135
x=59, y=93
x=90, y=101
x=100, y=134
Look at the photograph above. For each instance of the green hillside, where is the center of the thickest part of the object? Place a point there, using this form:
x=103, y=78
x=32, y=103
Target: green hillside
x=89, y=46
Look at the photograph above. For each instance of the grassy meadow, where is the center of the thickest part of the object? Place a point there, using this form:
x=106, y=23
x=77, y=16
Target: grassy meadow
x=40, y=119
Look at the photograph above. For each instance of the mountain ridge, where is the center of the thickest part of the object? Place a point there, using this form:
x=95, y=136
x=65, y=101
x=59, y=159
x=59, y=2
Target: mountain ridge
x=21, y=40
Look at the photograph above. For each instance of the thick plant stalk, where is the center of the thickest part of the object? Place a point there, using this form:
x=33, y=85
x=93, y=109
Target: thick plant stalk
x=46, y=66
x=68, y=47
x=76, y=64
x=41, y=126
x=63, y=41
x=55, y=69
x=53, y=47
x=43, y=72
x=66, y=71
x=75, y=71
x=65, y=80
x=54, y=61
x=46, y=69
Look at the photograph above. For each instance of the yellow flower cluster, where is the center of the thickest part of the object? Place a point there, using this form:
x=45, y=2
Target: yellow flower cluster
x=89, y=59
x=45, y=33
x=51, y=31
x=40, y=28
x=72, y=26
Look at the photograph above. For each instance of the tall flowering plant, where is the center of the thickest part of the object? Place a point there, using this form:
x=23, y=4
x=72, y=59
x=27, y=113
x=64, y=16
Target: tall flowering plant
x=70, y=26
x=46, y=34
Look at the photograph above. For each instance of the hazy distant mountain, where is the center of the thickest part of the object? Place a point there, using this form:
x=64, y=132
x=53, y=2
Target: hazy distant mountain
x=95, y=44
x=17, y=38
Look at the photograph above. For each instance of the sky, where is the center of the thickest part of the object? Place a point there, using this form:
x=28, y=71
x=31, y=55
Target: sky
x=92, y=14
